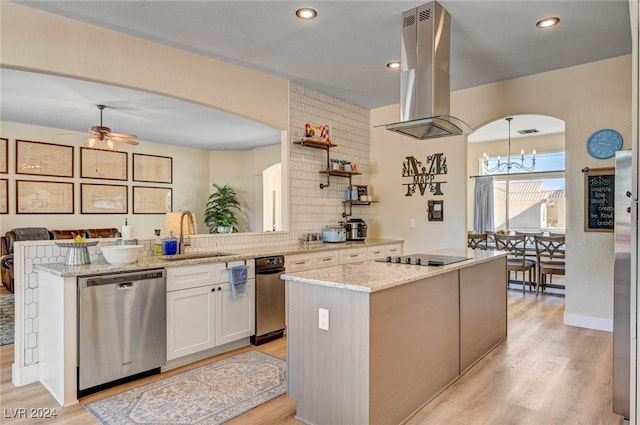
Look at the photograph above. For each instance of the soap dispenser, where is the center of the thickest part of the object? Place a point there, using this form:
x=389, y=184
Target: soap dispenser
x=170, y=245
x=157, y=244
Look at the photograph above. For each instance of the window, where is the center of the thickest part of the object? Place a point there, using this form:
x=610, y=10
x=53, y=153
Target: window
x=531, y=201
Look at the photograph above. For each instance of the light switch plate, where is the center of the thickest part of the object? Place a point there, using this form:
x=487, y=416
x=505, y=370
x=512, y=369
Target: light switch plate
x=323, y=319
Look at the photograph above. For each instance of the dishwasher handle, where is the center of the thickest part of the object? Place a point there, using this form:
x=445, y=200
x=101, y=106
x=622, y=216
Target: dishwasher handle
x=270, y=271
x=126, y=285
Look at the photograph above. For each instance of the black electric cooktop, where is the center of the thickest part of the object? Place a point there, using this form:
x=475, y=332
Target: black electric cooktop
x=424, y=259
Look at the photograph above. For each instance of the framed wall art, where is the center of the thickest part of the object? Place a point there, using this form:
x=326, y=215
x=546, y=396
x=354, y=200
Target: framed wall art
x=44, y=197
x=44, y=159
x=4, y=156
x=4, y=196
x=152, y=168
x=103, y=164
x=151, y=200
x=103, y=199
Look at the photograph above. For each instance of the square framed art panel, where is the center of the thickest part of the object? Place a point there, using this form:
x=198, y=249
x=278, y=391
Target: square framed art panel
x=151, y=200
x=4, y=156
x=103, y=164
x=4, y=196
x=152, y=168
x=44, y=159
x=44, y=197
x=103, y=199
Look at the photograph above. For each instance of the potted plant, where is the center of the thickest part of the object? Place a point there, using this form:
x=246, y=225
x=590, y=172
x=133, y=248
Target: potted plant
x=222, y=207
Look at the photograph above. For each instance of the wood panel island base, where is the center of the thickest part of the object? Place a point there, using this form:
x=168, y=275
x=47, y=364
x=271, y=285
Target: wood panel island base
x=373, y=342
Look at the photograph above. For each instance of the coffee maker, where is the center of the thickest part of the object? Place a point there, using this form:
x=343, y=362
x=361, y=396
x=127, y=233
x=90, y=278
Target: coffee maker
x=356, y=229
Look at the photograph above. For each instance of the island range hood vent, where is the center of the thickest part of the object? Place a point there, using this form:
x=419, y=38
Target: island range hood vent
x=425, y=93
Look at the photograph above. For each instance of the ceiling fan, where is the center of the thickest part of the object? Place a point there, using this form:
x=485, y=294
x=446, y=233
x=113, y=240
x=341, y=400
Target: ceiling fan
x=101, y=134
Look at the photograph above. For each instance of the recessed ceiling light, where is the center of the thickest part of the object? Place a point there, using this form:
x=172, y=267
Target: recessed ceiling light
x=306, y=13
x=548, y=22
x=394, y=65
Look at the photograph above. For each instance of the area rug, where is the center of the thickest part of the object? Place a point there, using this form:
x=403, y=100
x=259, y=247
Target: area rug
x=210, y=394
x=7, y=314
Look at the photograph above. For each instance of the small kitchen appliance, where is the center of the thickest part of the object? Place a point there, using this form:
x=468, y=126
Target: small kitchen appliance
x=334, y=234
x=356, y=229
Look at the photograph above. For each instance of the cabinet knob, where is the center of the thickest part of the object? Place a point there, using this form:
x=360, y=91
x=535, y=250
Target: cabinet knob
x=213, y=289
x=219, y=288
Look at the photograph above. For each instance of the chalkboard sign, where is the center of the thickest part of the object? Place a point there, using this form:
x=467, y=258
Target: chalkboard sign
x=599, y=190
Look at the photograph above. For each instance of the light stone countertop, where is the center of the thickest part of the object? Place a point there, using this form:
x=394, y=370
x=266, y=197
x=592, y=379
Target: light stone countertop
x=151, y=262
x=372, y=276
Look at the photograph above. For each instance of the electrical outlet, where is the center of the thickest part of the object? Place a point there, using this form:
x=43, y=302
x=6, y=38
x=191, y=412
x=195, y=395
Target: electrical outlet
x=323, y=319
x=412, y=222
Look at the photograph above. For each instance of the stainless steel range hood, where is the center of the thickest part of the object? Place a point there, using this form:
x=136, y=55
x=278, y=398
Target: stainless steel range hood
x=424, y=97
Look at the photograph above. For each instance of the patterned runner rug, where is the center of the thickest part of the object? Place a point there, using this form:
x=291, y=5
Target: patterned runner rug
x=210, y=394
x=7, y=313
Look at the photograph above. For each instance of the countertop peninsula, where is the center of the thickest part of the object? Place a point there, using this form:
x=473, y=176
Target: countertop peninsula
x=151, y=262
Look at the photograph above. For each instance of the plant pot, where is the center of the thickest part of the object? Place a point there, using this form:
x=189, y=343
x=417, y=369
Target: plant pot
x=224, y=229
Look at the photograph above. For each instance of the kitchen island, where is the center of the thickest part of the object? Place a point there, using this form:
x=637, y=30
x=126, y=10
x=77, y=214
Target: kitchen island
x=373, y=342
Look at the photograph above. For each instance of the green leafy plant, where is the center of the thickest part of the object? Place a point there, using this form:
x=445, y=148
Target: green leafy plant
x=222, y=207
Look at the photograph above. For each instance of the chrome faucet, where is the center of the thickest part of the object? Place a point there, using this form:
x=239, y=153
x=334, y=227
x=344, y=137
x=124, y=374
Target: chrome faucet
x=181, y=244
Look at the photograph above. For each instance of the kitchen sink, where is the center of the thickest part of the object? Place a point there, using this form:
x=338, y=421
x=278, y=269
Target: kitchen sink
x=193, y=255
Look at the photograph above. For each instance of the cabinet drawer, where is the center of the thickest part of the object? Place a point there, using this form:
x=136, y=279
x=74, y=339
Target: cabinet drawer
x=190, y=277
x=352, y=255
x=376, y=252
x=326, y=260
x=298, y=263
x=223, y=269
x=393, y=250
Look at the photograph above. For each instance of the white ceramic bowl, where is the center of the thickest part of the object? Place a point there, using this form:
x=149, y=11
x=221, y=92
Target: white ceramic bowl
x=122, y=254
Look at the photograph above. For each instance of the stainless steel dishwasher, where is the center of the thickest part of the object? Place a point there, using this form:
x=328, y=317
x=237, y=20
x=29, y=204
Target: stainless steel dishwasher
x=121, y=328
x=270, y=299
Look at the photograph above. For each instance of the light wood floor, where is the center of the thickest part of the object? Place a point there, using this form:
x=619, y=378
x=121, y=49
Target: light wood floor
x=545, y=373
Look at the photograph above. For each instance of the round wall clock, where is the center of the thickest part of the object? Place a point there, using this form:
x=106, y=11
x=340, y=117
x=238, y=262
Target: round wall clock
x=604, y=143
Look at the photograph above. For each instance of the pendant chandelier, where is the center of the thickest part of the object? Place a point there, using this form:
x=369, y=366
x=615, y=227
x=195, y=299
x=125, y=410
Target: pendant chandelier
x=507, y=165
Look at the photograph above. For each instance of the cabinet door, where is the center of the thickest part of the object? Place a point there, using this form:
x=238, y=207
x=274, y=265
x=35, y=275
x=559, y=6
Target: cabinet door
x=234, y=316
x=190, y=321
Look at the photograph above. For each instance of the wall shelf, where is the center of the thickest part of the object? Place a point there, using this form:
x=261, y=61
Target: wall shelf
x=351, y=203
x=314, y=144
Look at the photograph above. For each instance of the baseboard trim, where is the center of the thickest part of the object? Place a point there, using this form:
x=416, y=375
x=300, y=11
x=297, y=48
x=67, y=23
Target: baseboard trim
x=588, y=322
x=25, y=375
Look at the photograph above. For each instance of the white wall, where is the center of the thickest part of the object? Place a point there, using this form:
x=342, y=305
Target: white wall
x=588, y=98
x=242, y=171
x=392, y=214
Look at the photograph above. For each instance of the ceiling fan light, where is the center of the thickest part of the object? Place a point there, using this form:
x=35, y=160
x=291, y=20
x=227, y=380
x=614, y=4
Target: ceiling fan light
x=90, y=143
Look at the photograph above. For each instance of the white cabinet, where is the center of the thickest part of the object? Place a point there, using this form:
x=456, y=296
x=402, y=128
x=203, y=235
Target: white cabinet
x=326, y=259
x=299, y=262
x=201, y=312
x=232, y=320
x=190, y=321
x=376, y=252
x=317, y=260
x=393, y=250
x=352, y=255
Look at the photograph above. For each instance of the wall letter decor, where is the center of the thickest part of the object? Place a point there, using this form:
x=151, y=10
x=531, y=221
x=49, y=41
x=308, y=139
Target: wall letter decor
x=423, y=176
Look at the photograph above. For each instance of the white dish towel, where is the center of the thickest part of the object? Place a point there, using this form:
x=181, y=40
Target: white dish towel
x=238, y=279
